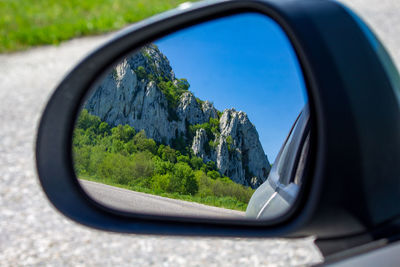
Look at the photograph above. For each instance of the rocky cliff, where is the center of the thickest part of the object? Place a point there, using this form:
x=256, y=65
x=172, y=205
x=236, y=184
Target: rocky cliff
x=142, y=91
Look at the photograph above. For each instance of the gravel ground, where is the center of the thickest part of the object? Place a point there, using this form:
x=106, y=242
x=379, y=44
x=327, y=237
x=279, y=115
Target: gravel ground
x=33, y=233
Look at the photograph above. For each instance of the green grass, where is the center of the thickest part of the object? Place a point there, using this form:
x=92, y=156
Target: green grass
x=27, y=23
x=222, y=202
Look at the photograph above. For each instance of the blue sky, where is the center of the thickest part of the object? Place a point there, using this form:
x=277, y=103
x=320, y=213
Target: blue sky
x=246, y=62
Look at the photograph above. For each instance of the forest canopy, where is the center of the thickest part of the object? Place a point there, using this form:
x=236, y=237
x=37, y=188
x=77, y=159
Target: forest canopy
x=121, y=156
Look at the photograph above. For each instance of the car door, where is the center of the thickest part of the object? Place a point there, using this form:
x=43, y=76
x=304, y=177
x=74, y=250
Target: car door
x=280, y=189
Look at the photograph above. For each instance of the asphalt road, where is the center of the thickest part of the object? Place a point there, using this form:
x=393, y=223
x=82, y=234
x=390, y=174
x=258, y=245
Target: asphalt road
x=131, y=201
x=33, y=233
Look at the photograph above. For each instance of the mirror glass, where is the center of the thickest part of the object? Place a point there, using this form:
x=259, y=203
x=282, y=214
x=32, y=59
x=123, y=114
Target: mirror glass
x=210, y=121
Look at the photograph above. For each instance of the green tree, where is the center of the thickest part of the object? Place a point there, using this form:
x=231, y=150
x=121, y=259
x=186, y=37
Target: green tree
x=229, y=142
x=104, y=128
x=123, y=133
x=141, y=73
x=130, y=147
x=81, y=157
x=168, y=154
x=196, y=162
x=86, y=120
x=182, y=84
x=179, y=144
x=79, y=138
x=183, y=180
x=116, y=168
x=183, y=158
x=205, y=184
x=209, y=166
x=160, y=183
x=143, y=165
x=162, y=167
x=213, y=174
x=145, y=144
x=117, y=146
x=97, y=156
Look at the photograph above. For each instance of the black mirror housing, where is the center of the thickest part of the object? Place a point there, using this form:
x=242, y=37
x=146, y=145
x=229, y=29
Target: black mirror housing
x=353, y=164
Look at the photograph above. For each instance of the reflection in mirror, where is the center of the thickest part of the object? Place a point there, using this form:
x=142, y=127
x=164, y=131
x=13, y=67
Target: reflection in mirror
x=188, y=125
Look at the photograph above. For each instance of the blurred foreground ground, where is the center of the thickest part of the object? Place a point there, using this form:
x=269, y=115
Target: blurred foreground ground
x=33, y=233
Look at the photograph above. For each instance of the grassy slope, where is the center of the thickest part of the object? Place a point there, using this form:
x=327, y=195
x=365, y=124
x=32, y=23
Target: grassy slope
x=27, y=23
x=222, y=202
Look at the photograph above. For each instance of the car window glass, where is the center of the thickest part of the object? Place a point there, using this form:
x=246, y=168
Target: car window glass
x=302, y=161
x=284, y=162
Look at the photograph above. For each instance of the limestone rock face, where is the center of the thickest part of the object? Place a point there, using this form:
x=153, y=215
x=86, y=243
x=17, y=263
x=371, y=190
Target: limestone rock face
x=193, y=112
x=199, y=141
x=153, y=61
x=239, y=153
x=131, y=94
x=208, y=110
x=124, y=98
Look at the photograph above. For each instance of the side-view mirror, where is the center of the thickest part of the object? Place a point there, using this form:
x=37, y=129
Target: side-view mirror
x=205, y=136
x=230, y=118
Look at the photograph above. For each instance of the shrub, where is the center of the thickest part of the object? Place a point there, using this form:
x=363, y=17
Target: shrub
x=160, y=183
x=122, y=156
x=227, y=187
x=123, y=133
x=141, y=73
x=183, y=180
x=96, y=158
x=182, y=85
x=179, y=143
x=211, y=166
x=104, y=129
x=170, y=91
x=167, y=154
x=86, y=120
x=229, y=142
x=184, y=159
x=117, y=146
x=80, y=138
x=213, y=174
x=211, y=127
x=213, y=144
x=205, y=184
x=130, y=147
x=143, y=143
x=162, y=167
x=143, y=165
x=116, y=168
x=222, y=187
x=81, y=157
x=196, y=162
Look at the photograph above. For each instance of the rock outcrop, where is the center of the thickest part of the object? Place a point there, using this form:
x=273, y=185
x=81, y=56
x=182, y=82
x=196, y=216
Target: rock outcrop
x=198, y=144
x=243, y=146
x=193, y=112
x=131, y=94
